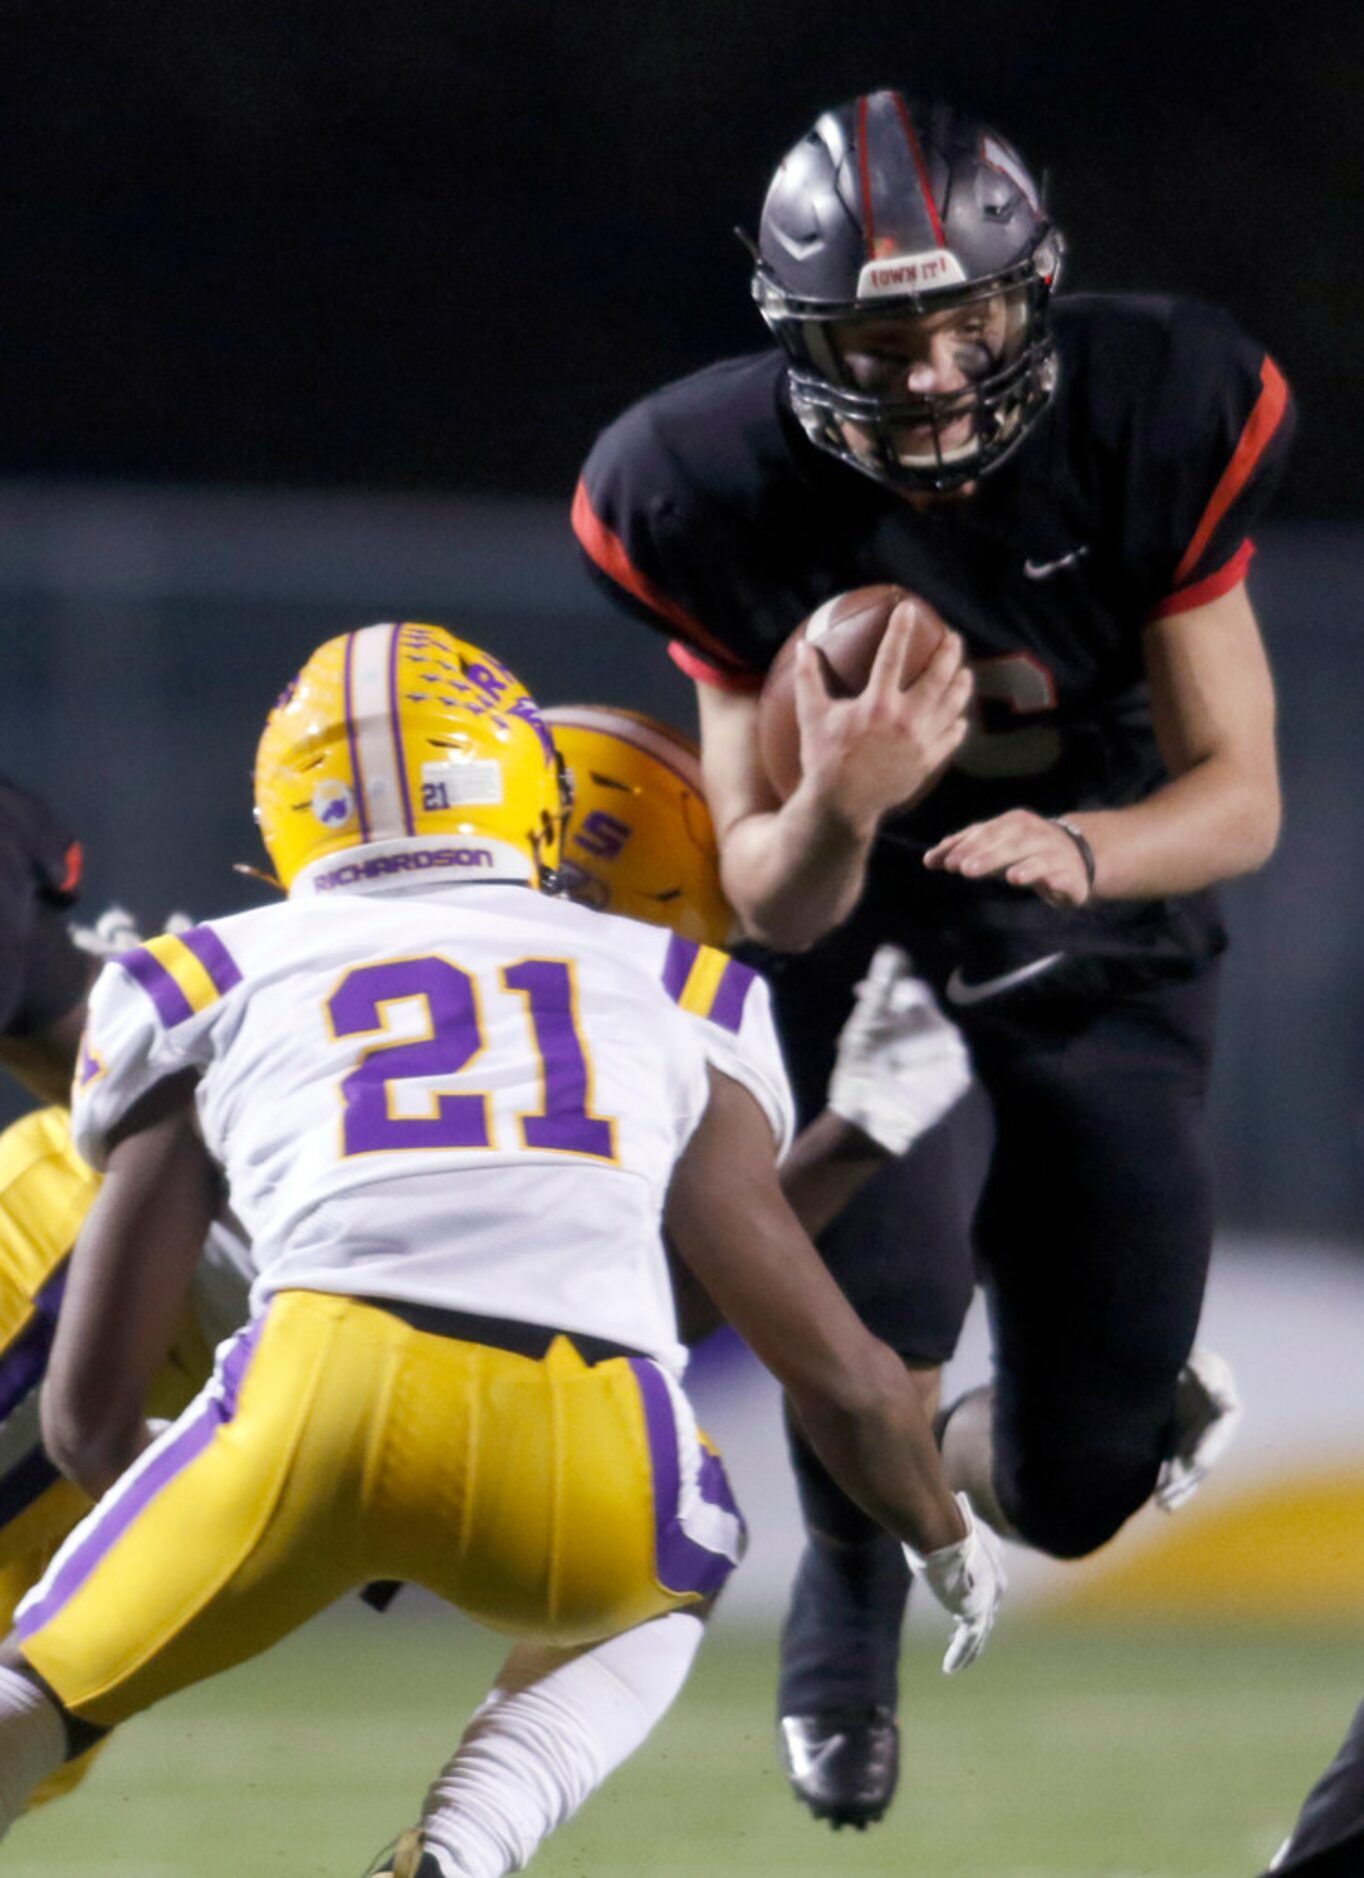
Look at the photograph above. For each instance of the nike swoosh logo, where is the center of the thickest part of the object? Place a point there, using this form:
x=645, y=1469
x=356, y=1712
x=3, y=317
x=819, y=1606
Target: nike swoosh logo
x=822, y=1753
x=1039, y=570
x=961, y=990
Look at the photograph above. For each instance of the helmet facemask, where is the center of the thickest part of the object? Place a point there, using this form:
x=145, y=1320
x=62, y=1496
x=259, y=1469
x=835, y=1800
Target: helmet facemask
x=865, y=426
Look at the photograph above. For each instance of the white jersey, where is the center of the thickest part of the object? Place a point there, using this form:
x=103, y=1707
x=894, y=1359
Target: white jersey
x=471, y=1097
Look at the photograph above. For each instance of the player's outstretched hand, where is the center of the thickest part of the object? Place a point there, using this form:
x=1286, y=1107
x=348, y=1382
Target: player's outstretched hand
x=113, y=932
x=901, y=1064
x=1025, y=849
x=968, y=1580
x=1207, y=1410
x=116, y=931
x=882, y=748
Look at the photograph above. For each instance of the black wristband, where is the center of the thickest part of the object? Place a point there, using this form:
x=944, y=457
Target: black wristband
x=1077, y=835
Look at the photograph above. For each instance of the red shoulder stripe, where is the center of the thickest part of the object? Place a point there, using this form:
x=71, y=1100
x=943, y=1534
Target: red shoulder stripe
x=1260, y=426
x=706, y=674
x=607, y=550
x=1211, y=587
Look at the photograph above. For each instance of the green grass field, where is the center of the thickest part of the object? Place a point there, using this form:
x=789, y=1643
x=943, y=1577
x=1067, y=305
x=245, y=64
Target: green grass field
x=1088, y=1752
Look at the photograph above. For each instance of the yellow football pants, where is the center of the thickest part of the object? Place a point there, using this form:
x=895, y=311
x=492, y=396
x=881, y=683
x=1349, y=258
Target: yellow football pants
x=550, y=1499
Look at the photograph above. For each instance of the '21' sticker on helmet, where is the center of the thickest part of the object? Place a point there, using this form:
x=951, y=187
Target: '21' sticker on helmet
x=476, y=783
x=333, y=804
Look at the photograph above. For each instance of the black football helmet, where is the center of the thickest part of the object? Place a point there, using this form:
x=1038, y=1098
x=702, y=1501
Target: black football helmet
x=892, y=209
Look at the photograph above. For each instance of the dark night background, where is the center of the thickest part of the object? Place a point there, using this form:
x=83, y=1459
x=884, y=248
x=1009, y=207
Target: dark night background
x=309, y=315
x=436, y=246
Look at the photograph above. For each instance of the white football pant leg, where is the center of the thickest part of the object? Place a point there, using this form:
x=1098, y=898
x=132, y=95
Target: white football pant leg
x=556, y=1724
x=32, y=1743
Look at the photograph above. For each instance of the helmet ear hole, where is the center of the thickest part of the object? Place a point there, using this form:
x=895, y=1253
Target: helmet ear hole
x=1050, y=258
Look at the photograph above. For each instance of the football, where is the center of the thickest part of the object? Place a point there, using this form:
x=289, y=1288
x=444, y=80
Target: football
x=846, y=631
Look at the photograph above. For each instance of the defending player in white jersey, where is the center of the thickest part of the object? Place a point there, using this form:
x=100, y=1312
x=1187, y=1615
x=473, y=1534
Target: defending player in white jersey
x=448, y=1111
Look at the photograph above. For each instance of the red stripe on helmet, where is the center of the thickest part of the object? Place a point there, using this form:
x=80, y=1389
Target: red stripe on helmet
x=864, y=175
x=916, y=151
x=73, y=862
x=1260, y=426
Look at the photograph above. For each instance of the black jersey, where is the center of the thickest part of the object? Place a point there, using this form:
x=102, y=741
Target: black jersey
x=712, y=516
x=42, y=973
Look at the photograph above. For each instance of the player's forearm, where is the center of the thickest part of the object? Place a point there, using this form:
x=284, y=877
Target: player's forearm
x=93, y=1452
x=829, y=1161
x=794, y=874
x=881, y=1452
x=1214, y=822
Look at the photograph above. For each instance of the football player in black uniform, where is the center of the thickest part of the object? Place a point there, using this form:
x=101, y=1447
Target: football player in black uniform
x=1071, y=482
x=1328, y=1839
x=43, y=976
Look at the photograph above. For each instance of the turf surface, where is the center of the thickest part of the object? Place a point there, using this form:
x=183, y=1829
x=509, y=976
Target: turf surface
x=1078, y=1753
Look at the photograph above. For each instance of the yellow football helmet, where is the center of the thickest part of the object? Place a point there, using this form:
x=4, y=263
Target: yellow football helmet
x=406, y=750
x=639, y=839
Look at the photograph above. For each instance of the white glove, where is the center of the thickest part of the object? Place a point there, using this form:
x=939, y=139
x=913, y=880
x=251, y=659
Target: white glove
x=901, y=1064
x=1207, y=1410
x=113, y=932
x=968, y=1580
x=116, y=931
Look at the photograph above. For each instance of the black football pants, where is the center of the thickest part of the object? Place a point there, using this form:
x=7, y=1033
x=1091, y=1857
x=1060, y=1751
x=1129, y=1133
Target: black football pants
x=1092, y=1235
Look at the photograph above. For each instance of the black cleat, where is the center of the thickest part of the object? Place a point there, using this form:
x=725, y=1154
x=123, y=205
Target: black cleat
x=840, y=1647
x=843, y=1763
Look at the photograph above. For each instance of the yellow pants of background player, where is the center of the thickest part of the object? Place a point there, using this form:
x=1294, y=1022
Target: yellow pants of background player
x=337, y=1445
x=45, y=1192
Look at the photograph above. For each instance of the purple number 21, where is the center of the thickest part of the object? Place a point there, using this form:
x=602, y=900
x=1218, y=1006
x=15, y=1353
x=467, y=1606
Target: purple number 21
x=453, y=1039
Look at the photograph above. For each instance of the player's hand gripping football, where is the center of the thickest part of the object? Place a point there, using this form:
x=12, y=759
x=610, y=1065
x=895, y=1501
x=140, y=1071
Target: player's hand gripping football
x=865, y=755
x=968, y=1580
x=1022, y=848
x=901, y=1064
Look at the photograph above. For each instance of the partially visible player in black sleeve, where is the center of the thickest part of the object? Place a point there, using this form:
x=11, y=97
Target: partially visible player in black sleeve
x=1072, y=485
x=1327, y=1840
x=43, y=976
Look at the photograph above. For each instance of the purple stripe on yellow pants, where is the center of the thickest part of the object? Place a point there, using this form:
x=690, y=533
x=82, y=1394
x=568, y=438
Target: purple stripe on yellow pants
x=138, y=1488
x=686, y=1561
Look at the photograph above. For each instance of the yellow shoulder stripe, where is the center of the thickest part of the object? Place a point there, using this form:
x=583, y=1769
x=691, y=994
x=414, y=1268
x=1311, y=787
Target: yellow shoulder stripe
x=703, y=981
x=175, y=958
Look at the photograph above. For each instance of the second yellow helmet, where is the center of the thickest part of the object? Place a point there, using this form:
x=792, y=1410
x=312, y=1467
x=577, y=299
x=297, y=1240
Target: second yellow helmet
x=639, y=839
